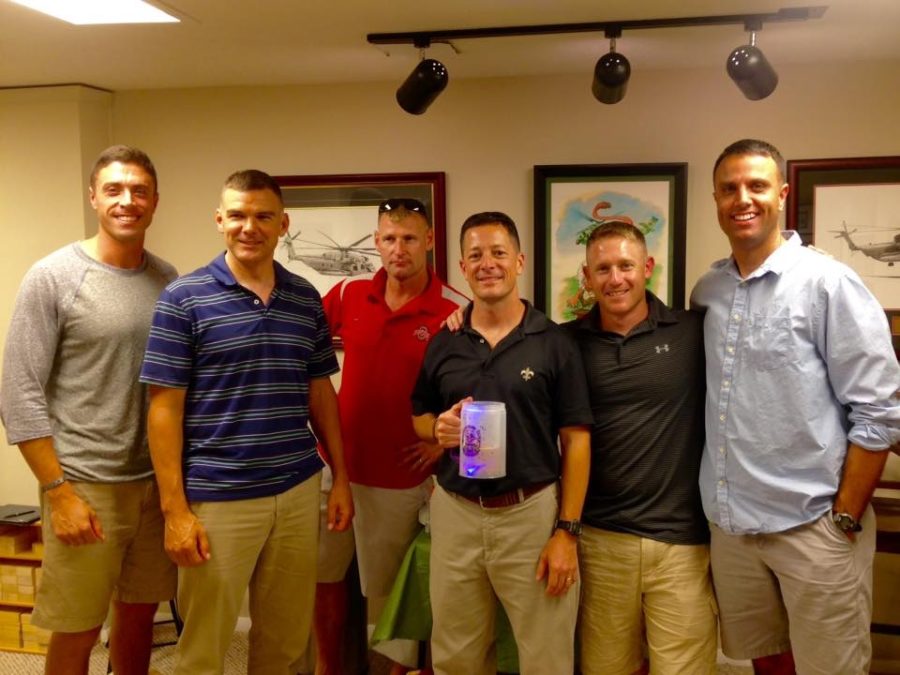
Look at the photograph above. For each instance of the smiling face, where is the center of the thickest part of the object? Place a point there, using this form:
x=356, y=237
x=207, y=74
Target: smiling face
x=124, y=197
x=252, y=223
x=403, y=244
x=617, y=271
x=749, y=193
x=491, y=262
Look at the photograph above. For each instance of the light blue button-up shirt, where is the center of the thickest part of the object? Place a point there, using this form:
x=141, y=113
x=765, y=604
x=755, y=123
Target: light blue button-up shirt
x=799, y=362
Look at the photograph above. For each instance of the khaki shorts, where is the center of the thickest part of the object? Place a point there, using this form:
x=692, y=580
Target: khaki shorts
x=130, y=565
x=385, y=523
x=808, y=590
x=335, y=548
x=634, y=586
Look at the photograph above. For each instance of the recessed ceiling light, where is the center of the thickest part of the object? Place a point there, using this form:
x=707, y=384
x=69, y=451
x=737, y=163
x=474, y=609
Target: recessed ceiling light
x=87, y=12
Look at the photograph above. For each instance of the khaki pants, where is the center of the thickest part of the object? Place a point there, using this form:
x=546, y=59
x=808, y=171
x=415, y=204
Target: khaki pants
x=808, y=589
x=632, y=585
x=270, y=544
x=477, y=553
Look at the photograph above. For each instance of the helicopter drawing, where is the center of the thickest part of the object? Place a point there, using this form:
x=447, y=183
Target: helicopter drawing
x=886, y=252
x=330, y=259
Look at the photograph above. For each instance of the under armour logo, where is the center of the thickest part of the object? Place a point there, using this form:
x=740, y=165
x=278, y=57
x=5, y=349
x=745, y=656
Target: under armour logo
x=422, y=333
x=662, y=348
x=527, y=373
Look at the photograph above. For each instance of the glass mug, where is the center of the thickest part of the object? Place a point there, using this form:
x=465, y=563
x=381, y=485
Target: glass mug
x=482, y=440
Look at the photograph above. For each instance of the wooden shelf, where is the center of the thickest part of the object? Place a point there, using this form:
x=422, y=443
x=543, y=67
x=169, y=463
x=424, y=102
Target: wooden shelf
x=23, y=559
x=29, y=558
x=23, y=650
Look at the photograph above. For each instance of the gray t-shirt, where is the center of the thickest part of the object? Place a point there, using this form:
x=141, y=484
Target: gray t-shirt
x=72, y=359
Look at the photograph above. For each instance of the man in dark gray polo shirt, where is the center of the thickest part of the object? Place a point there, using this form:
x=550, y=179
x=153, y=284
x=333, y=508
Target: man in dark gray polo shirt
x=515, y=536
x=644, y=552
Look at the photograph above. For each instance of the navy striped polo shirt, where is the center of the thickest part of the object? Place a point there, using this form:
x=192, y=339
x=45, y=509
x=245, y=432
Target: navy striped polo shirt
x=246, y=367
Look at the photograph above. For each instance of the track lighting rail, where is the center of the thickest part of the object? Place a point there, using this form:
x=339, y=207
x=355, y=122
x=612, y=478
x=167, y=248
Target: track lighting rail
x=423, y=39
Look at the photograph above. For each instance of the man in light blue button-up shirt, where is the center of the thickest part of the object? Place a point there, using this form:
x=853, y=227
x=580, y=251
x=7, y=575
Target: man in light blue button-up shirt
x=801, y=408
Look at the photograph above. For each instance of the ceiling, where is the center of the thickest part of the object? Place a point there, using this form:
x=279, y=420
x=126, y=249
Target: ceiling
x=279, y=42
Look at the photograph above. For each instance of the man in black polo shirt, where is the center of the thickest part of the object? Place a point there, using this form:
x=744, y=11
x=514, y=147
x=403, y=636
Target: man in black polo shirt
x=644, y=551
x=513, y=536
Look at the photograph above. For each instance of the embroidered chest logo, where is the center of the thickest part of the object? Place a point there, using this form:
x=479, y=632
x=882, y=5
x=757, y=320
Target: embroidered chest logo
x=662, y=348
x=527, y=373
x=421, y=333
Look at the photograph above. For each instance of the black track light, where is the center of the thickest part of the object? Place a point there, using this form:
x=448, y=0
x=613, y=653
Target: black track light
x=751, y=71
x=427, y=80
x=611, y=76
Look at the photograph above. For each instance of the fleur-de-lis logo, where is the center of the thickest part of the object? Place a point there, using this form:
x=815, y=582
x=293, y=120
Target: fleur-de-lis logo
x=527, y=373
x=662, y=348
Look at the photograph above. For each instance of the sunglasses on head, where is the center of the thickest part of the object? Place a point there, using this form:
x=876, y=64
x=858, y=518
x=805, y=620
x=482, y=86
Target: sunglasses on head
x=408, y=204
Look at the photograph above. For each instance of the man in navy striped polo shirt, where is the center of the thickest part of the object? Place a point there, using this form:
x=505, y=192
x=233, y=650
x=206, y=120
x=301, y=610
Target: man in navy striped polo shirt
x=239, y=360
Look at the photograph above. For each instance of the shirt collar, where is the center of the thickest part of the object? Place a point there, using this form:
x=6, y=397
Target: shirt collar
x=657, y=313
x=778, y=261
x=426, y=301
x=222, y=273
x=534, y=320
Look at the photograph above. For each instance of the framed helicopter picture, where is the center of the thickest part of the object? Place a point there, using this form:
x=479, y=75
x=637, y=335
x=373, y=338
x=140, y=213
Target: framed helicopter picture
x=850, y=208
x=333, y=220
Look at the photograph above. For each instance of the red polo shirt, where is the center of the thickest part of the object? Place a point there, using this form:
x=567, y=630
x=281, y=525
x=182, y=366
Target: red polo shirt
x=383, y=352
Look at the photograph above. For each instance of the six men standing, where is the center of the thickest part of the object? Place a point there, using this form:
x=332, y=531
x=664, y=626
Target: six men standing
x=801, y=405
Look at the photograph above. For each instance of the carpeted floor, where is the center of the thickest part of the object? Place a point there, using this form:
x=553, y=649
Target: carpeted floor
x=163, y=659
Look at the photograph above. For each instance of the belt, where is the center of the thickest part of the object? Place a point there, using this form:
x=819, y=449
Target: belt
x=510, y=498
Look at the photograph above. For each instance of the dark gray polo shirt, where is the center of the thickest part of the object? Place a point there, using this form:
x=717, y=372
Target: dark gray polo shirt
x=536, y=370
x=647, y=394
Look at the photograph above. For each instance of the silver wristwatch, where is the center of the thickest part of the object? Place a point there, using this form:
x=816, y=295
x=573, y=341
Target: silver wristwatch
x=846, y=522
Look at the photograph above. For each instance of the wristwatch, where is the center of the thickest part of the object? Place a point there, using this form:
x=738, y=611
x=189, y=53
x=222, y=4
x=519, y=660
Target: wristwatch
x=846, y=522
x=573, y=527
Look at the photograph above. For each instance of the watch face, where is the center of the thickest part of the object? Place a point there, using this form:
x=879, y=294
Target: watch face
x=846, y=522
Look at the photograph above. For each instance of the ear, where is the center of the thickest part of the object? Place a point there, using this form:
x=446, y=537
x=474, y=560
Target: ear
x=648, y=267
x=220, y=221
x=782, y=196
x=285, y=224
x=520, y=263
x=92, y=196
x=429, y=239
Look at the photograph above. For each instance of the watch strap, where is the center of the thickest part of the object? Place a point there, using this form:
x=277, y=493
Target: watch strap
x=573, y=527
x=53, y=484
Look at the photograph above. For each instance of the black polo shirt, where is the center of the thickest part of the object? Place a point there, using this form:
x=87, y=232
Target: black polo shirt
x=647, y=394
x=536, y=371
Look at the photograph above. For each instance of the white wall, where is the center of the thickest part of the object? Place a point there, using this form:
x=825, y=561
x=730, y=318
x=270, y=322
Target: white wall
x=485, y=134
x=49, y=138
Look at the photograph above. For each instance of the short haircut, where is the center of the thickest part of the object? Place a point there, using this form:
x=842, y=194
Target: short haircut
x=753, y=146
x=248, y=180
x=126, y=155
x=616, y=228
x=490, y=218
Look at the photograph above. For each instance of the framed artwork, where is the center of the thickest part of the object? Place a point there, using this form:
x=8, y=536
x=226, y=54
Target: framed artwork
x=893, y=316
x=850, y=208
x=571, y=200
x=333, y=220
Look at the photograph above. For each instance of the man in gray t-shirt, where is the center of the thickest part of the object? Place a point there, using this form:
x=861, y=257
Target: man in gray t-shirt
x=71, y=401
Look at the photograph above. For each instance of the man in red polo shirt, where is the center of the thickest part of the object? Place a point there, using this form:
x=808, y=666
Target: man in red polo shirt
x=385, y=322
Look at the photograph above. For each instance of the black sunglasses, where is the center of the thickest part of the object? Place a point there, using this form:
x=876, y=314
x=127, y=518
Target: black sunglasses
x=404, y=202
